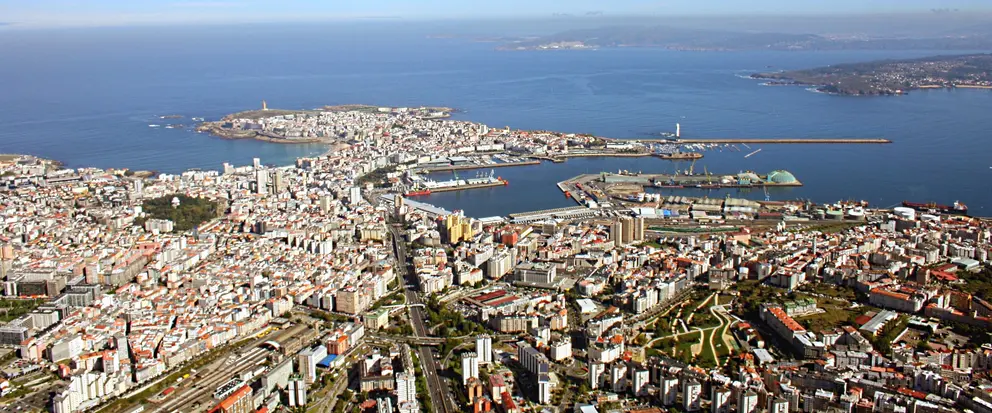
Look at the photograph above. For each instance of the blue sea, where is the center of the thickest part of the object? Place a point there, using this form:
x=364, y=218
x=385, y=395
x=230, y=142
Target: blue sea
x=87, y=97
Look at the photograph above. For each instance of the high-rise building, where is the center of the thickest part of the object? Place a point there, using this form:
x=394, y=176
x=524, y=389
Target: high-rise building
x=457, y=228
x=616, y=233
x=778, y=405
x=398, y=203
x=618, y=377
x=638, y=229
x=406, y=388
x=355, y=195
x=470, y=367
x=595, y=373
x=256, y=163
x=640, y=379
x=747, y=402
x=669, y=390
x=278, y=183
x=543, y=388
x=325, y=204
x=261, y=181
x=307, y=360
x=720, y=400
x=484, y=348
x=628, y=229
x=297, y=390
x=692, y=398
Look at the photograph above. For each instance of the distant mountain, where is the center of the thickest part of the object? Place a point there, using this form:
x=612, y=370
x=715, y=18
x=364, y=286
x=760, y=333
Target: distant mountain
x=698, y=39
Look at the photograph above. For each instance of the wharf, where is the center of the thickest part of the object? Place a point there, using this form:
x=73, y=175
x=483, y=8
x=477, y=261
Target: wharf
x=778, y=178
x=767, y=141
x=468, y=186
x=477, y=166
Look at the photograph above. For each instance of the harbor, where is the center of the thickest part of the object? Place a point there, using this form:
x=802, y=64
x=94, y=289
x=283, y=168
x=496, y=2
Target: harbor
x=420, y=185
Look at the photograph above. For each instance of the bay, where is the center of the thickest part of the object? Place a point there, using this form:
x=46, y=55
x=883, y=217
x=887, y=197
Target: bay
x=86, y=97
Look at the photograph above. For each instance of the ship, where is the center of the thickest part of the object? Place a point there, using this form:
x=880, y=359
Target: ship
x=418, y=193
x=956, y=209
x=680, y=155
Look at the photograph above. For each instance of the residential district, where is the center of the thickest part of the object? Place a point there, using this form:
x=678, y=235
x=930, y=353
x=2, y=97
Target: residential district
x=318, y=287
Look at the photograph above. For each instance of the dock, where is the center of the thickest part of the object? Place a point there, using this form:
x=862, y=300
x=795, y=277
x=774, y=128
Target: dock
x=779, y=178
x=477, y=166
x=468, y=186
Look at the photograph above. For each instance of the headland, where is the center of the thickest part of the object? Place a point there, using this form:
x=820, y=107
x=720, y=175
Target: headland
x=891, y=77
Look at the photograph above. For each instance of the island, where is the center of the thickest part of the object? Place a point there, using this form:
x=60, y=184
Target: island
x=304, y=126
x=891, y=77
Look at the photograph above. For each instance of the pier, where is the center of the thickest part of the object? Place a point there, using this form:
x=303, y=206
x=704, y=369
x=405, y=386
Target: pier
x=468, y=186
x=875, y=141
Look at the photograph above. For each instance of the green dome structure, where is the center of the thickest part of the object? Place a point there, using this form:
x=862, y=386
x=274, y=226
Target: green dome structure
x=781, y=177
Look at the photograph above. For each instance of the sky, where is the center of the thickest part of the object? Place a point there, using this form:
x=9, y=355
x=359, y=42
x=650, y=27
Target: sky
x=75, y=13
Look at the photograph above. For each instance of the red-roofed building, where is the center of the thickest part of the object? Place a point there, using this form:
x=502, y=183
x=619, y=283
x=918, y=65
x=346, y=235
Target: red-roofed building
x=781, y=322
x=238, y=402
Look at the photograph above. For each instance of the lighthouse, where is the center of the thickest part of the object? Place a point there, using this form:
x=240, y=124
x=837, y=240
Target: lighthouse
x=678, y=130
x=265, y=106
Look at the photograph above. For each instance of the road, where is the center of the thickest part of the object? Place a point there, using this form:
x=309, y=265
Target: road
x=438, y=389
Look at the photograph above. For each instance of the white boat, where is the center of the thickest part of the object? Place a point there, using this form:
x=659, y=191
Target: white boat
x=153, y=126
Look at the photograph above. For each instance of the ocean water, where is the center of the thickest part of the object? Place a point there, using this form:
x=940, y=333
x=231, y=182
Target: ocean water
x=86, y=97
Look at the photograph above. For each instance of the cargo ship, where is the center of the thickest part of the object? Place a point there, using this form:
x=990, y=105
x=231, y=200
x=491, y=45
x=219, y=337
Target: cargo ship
x=424, y=192
x=956, y=209
x=680, y=155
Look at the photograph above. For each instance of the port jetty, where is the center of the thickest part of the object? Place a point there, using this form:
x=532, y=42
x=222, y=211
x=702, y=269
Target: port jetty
x=749, y=141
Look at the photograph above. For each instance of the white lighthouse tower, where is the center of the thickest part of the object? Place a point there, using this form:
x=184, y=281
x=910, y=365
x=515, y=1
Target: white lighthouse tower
x=678, y=130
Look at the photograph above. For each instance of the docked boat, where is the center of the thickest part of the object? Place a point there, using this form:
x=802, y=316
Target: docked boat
x=955, y=209
x=418, y=193
x=680, y=155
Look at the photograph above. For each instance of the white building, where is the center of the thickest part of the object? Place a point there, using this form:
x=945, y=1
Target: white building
x=720, y=400
x=692, y=398
x=543, y=388
x=308, y=359
x=778, y=405
x=297, y=392
x=470, y=367
x=640, y=379
x=595, y=373
x=747, y=402
x=484, y=348
x=669, y=390
x=561, y=350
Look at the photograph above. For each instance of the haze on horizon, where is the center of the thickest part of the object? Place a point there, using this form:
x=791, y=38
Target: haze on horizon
x=76, y=13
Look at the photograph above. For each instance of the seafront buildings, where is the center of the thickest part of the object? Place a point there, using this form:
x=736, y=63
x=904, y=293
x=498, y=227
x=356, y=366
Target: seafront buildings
x=293, y=281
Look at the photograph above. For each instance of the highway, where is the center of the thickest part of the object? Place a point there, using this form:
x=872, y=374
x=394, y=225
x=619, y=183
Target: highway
x=438, y=389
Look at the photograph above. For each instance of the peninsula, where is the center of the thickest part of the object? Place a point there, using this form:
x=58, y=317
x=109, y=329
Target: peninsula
x=305, y=126
x=891, y=77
